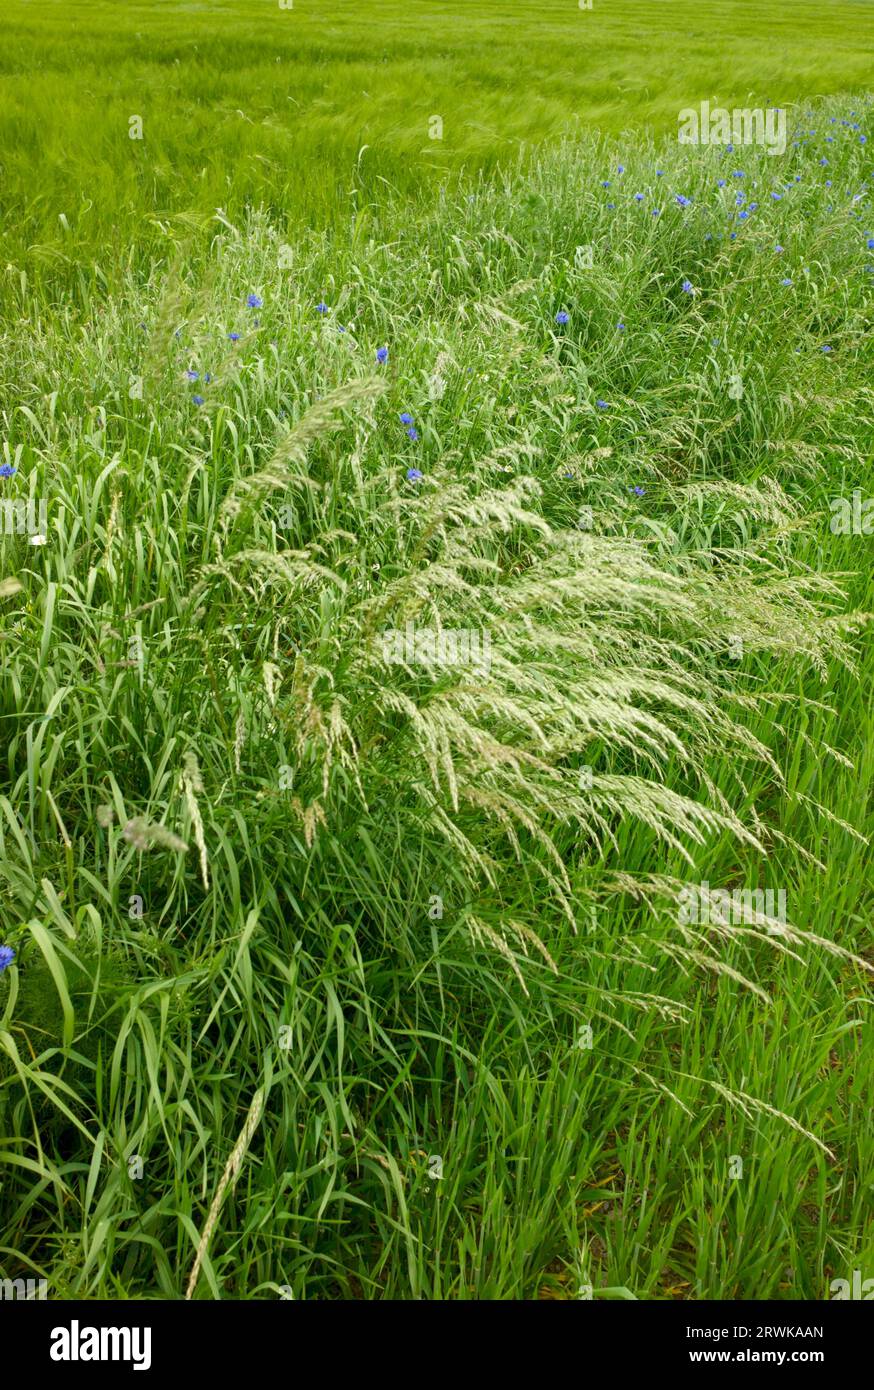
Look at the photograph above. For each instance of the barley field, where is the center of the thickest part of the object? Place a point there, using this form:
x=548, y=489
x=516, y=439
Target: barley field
x=435, y=668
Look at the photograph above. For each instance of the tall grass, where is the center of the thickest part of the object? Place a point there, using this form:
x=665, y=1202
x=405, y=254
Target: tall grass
x=341, y=975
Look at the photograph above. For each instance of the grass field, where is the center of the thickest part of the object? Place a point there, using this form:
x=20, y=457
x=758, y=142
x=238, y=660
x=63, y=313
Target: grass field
x=318, y=110
x=410, y=936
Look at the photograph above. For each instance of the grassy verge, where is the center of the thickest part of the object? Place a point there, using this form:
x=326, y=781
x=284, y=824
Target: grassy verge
x=427, y=949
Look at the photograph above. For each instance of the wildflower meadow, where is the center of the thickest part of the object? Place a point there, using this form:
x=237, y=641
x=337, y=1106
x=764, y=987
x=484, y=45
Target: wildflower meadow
x=436, y=535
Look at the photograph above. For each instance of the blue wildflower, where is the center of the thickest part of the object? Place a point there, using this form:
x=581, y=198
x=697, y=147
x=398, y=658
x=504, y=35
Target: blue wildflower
x=720, y=183
x=825, y=348
x=870, y=243
x=686, y=287
x=322, y=308
x=602, y=405
x=198, y=400
x=786, y=282
x=562, y=317
x=638, y=491
x=382, y=354
x=192, y=376
x=684, y=202
x=638, y=197
x=414, y=475
x=406, y=418
x=7, y=956
x=234, y=337
x=254, y=301
x=6, y=470
x=413, y=432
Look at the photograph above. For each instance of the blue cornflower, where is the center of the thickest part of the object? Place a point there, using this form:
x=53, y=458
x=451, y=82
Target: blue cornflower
x=686, y=287
x=561, y=316
x=870, y=243
x=413, y=432
x=192, y=376
x=776, y=197
x=620, y=328
x=406, y=418
x=620, y=168
x=321, y=308
x=684, y=202
x=638, y=490
x=198, y=400
x=7, y=956
x=655, y=212
x=234, y=337
x=254, y=301
x=207, y=378
x=414, y=475
x=382, y=354
x=638, y=197
x=660, y=173
x=6, y=470
x=825, y=348
x=720, y=183
x=603, y=405
x=737, y=173
x=778, y=248
x=823, y=160
x=605, y=183
x=786, y=282
x=610, y=207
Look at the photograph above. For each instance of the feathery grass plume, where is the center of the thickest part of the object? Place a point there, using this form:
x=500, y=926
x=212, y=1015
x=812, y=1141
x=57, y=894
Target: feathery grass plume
x=143, y=834
x=230, y=1175
x=169, y=314
x=318, y=421
x=239, y=740
x=192, y=784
